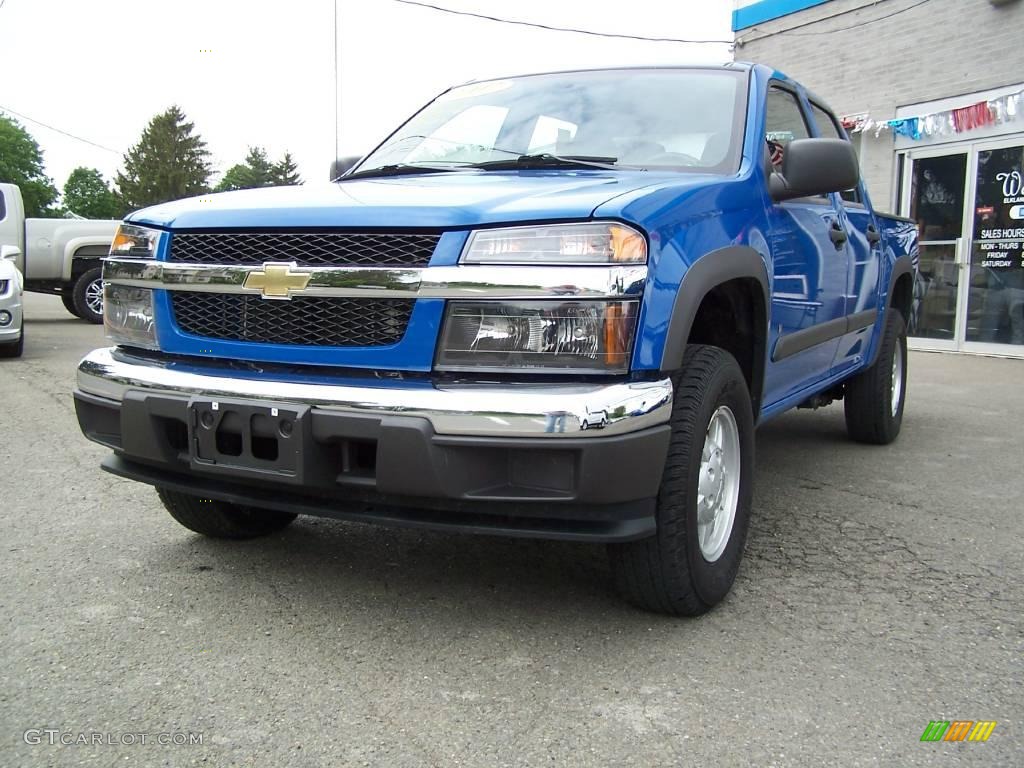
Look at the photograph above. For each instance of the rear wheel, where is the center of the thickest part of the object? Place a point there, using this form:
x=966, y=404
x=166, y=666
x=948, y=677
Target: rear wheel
x=874, y=398
x=703, y=505
x=68, y=300
x=87, y=295
x=221, y=519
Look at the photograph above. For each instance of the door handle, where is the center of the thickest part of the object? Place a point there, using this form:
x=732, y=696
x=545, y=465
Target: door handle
x=837, y=235
x=874, y=236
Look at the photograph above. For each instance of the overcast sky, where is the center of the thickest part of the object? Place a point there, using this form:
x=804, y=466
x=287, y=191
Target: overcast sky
x=254, y=72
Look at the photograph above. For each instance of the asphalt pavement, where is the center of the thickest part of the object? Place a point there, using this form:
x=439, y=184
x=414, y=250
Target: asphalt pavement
x=881, y=589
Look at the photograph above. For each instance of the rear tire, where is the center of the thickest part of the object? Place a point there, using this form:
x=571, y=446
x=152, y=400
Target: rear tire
x=87, y=295
x=14, y=348
x=703, y=505
x=874, y=398
x=221, y=519
x=68, y=300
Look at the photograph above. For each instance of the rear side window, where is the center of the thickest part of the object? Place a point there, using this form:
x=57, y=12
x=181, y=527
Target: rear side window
x=784, y=122
x=3, y=206
x=829, y=130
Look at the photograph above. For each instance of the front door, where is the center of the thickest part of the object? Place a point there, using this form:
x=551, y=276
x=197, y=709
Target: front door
x=808, y=243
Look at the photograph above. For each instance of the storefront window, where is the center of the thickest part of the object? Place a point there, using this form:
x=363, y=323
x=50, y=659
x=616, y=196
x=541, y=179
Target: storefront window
x=937, y=196
x=995, y=305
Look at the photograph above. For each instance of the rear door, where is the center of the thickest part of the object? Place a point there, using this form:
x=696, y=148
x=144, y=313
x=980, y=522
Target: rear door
x=808, y=247
x=864, y=251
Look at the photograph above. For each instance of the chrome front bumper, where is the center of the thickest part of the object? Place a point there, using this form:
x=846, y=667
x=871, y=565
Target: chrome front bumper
x=465, y=408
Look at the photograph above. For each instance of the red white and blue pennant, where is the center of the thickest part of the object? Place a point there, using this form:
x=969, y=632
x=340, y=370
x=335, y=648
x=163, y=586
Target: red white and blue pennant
x=998, y=111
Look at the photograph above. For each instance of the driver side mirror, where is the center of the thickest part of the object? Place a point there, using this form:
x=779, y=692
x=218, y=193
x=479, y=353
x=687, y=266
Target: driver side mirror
x=10, y=253
x=814, y=167
x=343, y=165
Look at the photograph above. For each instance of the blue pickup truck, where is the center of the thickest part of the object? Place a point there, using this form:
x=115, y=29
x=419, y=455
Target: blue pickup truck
x=554, y=306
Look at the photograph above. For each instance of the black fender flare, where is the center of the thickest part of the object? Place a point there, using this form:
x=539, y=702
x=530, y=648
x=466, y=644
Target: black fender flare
x=706, y=273
x=904, y=265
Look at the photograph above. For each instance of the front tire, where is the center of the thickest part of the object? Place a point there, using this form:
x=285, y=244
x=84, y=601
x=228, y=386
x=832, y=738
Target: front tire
x=874, y=398
x=703, y=505
x=68, y=300
x=87, y=295
x=221, y=519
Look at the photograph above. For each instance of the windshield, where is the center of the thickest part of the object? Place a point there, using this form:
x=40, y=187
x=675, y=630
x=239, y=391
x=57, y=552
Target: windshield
x=680, y=119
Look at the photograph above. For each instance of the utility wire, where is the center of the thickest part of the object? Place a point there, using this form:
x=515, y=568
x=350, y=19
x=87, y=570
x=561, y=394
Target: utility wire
x=753, y=35
x=861, y=23
x=58, y=130
x=557, y=29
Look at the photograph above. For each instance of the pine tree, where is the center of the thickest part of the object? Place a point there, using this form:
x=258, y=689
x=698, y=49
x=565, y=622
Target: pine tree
x=286, y=171
x=169, y=162
x=256, y=171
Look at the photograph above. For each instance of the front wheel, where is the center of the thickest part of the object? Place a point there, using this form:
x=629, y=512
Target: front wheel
x=221, y=519
x=87, y=295
x=68, y=300
x=703, y=505
x=874, y=398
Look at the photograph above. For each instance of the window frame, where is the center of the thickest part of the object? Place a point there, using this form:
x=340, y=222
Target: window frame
x=788, y=88
x=841, y=134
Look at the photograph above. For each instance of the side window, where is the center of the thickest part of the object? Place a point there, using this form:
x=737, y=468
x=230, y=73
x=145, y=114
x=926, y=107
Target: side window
x=784, y=121
x=3, y=207
x=828, y=130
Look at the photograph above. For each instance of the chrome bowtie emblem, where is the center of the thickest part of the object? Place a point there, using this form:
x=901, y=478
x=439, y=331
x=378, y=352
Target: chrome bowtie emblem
x=277, y=280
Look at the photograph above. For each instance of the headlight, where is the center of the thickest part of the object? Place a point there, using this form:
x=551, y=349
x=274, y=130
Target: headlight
x=572, y=336
x=587, y=243
x=128, y=316
x=135, y=241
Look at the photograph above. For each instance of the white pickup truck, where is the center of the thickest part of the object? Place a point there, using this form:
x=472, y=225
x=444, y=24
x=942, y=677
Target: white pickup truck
x=59, y=256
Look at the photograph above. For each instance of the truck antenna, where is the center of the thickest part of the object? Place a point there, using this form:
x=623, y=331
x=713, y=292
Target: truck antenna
x=336, y=119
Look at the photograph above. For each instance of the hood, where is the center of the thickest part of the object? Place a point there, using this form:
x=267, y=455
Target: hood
x=442, y=200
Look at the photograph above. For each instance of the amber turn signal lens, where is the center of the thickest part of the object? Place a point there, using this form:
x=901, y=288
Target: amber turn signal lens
x=628, y=245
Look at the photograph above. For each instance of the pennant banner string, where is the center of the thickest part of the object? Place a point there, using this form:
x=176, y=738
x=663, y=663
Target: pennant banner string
x=998, y=111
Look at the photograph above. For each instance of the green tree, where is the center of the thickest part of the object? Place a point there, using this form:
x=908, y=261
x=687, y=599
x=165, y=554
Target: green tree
x=87, y=194
x=21, y=163
x=169, y=162
x=286, y=171
x=255, y=171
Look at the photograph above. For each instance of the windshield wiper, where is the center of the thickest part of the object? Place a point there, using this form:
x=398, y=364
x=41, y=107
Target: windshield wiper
x=399, y=169
x=547, y=160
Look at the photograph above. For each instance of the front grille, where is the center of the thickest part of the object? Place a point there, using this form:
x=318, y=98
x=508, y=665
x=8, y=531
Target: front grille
x=3, y=287
x=313, y=321
x=313, y=249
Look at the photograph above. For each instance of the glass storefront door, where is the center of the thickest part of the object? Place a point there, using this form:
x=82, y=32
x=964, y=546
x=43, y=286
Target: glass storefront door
x=968, y=202
x=995, y=304
x=938, y=188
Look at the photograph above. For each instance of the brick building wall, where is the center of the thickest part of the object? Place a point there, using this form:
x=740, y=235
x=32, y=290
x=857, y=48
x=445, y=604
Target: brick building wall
x=934, y=50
